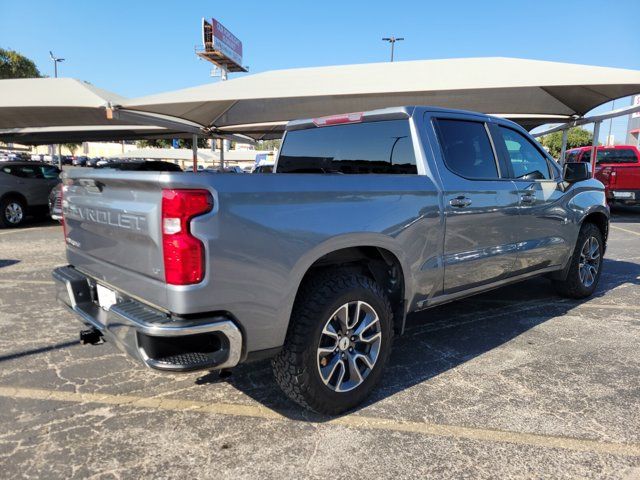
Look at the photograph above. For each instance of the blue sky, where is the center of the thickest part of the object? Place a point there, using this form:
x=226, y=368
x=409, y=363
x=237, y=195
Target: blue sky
x=141, y=47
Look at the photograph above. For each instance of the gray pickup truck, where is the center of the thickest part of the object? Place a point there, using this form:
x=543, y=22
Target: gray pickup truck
x=368, y=217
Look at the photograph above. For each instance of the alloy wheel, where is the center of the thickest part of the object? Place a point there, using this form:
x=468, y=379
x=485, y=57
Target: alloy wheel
x=349, y=346
x=13, y=213
x=589, y=261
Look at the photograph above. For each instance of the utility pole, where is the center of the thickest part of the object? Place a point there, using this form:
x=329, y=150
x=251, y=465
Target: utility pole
x=55, y=60
x=392, y=40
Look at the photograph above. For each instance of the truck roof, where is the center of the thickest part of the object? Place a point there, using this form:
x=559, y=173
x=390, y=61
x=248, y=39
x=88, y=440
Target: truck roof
x=390, y=113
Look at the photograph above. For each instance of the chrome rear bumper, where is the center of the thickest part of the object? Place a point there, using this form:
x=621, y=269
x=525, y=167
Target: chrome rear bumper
x=151, y=336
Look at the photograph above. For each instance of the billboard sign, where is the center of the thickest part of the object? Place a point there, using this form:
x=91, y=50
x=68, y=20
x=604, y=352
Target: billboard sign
x=226, y=42
x=636, y=102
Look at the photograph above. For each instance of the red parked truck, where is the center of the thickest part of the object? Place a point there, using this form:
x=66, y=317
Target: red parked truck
x=617, y=167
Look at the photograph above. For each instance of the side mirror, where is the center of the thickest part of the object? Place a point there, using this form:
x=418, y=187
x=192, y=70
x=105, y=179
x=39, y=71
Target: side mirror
x=576, y=172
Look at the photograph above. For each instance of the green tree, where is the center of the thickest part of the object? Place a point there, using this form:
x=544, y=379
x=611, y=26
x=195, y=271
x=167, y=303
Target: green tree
x=14, y=65
x=168, y=143
x=269, y=144
x=577, y=137
x=72, y=147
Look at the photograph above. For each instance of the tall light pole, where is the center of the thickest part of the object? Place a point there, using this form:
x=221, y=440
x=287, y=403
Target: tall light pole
x=392, y=40
x=55, y=60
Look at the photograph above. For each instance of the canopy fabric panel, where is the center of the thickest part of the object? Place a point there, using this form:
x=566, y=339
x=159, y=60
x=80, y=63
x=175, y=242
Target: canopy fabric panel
x=85, y=133
x=46, y=102
x=488, y=85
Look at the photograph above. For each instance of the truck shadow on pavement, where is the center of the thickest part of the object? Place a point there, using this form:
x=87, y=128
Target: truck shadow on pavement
x=6, y=262
x=441, y=338
x=625, y=214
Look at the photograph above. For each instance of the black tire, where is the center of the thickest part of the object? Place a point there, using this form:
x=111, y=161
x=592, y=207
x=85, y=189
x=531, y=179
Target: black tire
x=573, y=286
x=297, y=366
x=8, y=217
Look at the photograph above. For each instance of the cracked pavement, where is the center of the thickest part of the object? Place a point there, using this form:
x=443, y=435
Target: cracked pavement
x=514, y=383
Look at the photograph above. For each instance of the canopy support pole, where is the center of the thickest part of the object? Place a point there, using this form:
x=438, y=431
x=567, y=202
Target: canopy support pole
x=221, y=144
x=563, y=149
x=194, y=150
x=594, y=145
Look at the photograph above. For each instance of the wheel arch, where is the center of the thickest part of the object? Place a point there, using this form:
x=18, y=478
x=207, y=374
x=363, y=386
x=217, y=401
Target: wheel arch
x=14, y=194
x=600, y=218
x=378, y=257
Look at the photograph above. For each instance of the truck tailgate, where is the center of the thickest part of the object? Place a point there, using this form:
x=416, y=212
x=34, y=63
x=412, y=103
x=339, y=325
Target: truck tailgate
x=112, y=221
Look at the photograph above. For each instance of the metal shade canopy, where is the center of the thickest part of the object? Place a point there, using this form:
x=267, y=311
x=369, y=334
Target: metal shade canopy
x=86, y=133
x=99, y=133
x=46, y=102
x=536, y=91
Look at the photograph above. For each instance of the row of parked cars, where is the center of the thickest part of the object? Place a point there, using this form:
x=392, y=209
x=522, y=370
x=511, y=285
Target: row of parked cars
x=30, y=186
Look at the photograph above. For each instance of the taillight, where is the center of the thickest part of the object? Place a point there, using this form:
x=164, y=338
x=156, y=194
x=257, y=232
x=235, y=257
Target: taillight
x=183, y=253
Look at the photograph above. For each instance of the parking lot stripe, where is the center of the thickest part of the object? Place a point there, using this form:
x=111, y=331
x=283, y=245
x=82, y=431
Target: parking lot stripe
x=350, y=421
x=625, y=230
x=19, y=230
x=32, y=282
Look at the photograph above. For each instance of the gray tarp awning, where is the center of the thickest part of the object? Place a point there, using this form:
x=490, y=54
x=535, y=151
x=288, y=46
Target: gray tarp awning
x=534, y=90
x=47, y=102
x=86, y=133
x=98, y=133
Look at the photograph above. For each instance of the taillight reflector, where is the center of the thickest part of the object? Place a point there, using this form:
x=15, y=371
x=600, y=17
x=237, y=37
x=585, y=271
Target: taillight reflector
x=182, y=252
x=355, y=117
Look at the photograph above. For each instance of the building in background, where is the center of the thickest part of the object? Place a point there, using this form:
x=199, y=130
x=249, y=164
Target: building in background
x=633, y=129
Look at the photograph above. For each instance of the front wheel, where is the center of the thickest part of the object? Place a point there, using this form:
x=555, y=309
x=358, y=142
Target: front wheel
x=586, y=264
x=338, y=342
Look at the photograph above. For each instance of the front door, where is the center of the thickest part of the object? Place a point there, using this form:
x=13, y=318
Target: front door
x=480, y=205
x=543, y=230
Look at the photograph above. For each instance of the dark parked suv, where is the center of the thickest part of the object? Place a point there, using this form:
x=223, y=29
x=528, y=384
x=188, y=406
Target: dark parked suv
x=24, y=189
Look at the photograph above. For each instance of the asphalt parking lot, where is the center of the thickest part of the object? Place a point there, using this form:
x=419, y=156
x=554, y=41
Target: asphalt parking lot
x=515, y=383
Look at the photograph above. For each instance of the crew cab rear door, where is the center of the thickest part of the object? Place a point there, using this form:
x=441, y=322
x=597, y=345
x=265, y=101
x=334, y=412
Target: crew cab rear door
x=479, y=204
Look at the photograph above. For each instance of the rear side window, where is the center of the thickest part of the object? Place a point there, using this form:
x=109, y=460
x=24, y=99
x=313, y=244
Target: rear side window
x=572, y=157
x=49, y=172
x=527, y=161
x=372, y=147
x=616, y=155
x=466, y=148
x=23, y=171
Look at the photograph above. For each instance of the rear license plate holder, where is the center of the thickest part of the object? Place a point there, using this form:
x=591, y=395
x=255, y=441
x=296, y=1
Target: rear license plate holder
x=106, y=297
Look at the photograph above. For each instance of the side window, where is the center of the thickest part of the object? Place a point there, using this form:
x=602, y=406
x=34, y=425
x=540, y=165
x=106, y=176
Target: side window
x=28, y=171
x=527, y=161
x=466, y=148
x=616, y=155
x=572, y=157
x=586, y=156
x=49, y=172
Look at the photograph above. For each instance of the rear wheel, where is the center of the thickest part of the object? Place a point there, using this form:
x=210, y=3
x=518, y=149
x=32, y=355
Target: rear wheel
x=586, y=264
x=338, y=343
x=12, y=212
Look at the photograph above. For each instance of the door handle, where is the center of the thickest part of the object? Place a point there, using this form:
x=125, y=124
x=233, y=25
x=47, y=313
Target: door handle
x=460, y=202
x=527, y=198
